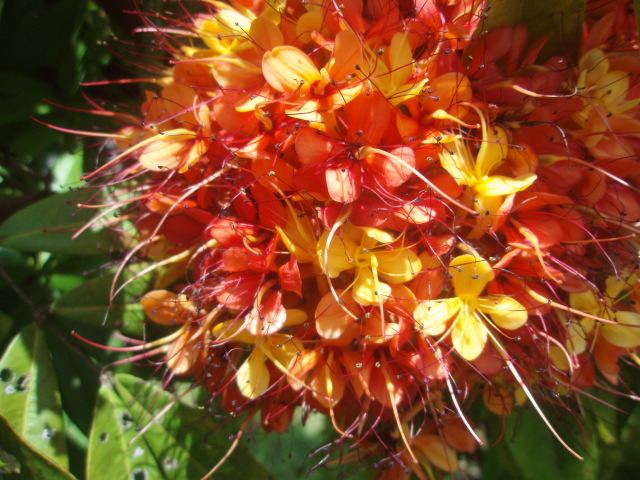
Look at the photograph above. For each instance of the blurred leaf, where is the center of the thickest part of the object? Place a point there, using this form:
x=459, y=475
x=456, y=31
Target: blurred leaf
x=30, y=399
x=563, y=20
x=49, y=224
x=6, y=324
x=21, y=97
x=8, y=463
x=537, y=454
x=89, y=303
x=66, y=170
x=183, y=444
x=33, y=465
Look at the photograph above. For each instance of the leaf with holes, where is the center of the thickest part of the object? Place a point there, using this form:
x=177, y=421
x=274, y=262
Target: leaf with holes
x=563, y=20
x=30, y=399
x=184, y=443
x=49, y=224
x=18, y=454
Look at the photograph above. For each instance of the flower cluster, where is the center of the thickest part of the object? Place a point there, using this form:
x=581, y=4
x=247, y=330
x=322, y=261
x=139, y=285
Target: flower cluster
x=381, y=212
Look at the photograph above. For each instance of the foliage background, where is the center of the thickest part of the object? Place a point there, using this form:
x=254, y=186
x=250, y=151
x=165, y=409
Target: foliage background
x=62, y=414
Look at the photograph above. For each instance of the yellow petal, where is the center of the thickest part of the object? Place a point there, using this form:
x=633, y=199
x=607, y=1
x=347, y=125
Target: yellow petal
x=585, y=302
x=401, y=59
x=578, y=333
x=493, y=150
x=288, y=69
x=368, y=290
x=432, y=316
x=340, y=256
x=253, y=376
x=470, y=275
x=398, y=266
x=434, y=450
x=626, y=333
x=505, y=312
x=469, y=335
x=498, y=185
x=458, y=162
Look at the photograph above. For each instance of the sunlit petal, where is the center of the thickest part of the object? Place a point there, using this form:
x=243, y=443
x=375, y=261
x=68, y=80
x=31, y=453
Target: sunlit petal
x=506, y=312
x=470, y=275
x=433, y=316
x=469, y=335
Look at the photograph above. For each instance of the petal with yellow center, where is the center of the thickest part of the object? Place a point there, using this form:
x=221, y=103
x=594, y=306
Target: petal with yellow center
x=469, y=334
x=288, y=69
x=626, y=333
x=432, y=316
x=470, y=275
x=368, y=289
x=253, y=376
x=506, y=312
x=498, y=185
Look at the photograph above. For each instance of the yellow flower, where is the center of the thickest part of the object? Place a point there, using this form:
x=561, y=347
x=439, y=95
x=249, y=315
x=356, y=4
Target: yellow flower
x=376, y=260
x=621, y=333
x=476, y=172
x=469, y=275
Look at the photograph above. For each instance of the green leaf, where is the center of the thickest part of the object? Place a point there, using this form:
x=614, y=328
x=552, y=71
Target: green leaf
x=33, y=465
x=49, y=224
x=8, y=463
x=184, y=443
x=30, y=399
x=537, y=454
x=563, y=20
x=89, y=303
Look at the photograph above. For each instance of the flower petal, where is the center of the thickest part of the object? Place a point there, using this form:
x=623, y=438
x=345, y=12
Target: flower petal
x=368, y=290
x=498, y=185
x=398, y=266
x=288, y=69
x=253, y=376
x=626, y=333
x=432, y=316
x=333, y=322
x=469, y=335
x=470, y=275
x=506, y=312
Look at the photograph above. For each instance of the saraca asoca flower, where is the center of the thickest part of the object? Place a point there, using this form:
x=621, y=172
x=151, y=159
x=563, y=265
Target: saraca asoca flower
x=472, y=314
x=301, y=178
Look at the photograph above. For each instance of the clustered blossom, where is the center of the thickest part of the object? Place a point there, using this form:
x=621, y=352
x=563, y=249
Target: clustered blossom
x=381, y=212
